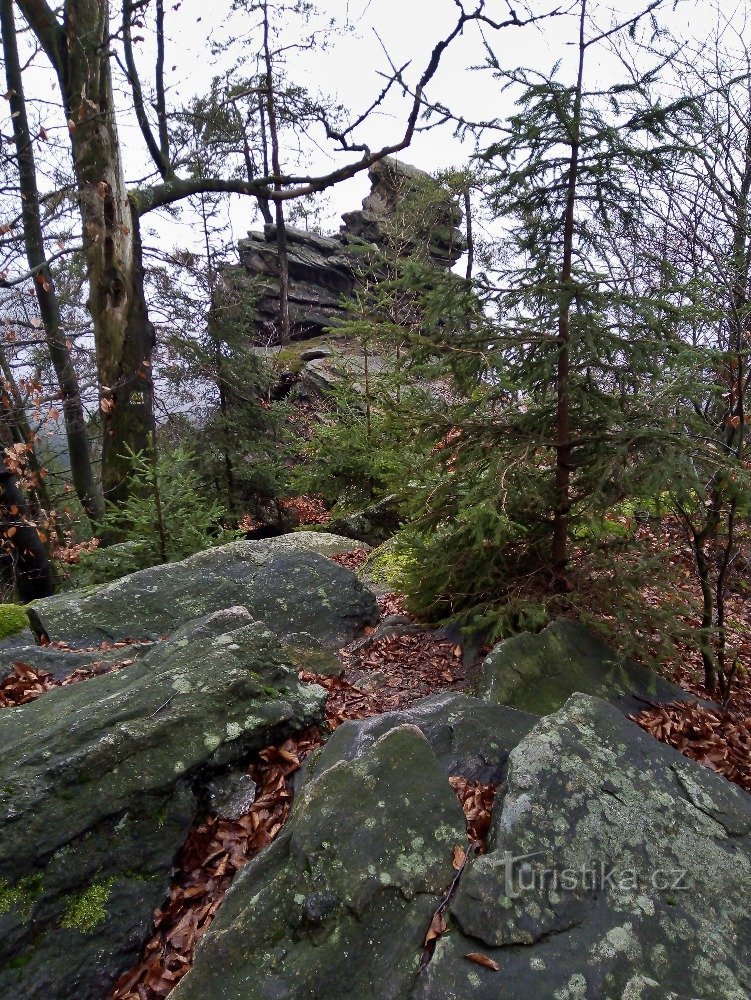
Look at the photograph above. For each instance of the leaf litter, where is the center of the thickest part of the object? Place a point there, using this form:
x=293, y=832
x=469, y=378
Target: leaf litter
x=382, y=675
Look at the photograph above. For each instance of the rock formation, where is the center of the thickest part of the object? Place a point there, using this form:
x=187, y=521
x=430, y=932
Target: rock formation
x=323, y=269
x=614, y=867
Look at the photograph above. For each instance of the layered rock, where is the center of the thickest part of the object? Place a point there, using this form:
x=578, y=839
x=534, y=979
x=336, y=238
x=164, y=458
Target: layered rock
x=97, y=792
x=323, y=269
x=285, y=582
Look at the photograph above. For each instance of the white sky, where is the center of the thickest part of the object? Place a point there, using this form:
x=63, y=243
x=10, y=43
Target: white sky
x=349, y=70
x=408, y=29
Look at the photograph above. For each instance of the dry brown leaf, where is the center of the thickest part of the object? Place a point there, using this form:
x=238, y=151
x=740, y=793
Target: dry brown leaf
x=479, y=959
x=437, y=928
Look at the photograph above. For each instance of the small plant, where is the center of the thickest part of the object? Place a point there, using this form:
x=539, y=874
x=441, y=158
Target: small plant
x=166, y=518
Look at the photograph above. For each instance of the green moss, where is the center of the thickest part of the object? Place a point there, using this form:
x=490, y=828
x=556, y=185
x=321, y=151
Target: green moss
x=389, y=564
x=20, y=898
x=89, y=909
x=19, y=962
x=289, y=357
x=13, y=619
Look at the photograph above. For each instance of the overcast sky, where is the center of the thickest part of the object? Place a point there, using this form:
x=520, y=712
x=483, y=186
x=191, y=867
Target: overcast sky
x=404, y=31
x=407, y=30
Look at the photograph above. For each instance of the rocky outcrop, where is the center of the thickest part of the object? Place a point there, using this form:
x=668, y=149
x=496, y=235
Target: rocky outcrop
x=539, y=672
x=341, y=908
x=615, y=868
x=323, y=269
x=285, y=582
x=398, y=186
x=98, y=789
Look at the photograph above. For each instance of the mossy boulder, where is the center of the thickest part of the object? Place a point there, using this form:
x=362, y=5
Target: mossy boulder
x=97, y=792
x=340, y=904
x=13, y=619
x=287, y=583
x=616, y=868
x=538, y=673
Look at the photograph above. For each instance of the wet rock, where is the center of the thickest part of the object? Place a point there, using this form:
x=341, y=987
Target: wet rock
x=96, y=795
x=285, y=582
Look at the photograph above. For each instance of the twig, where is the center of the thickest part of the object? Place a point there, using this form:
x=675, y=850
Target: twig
x=162, y=707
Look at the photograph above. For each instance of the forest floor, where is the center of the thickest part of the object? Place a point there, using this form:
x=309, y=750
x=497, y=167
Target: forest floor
x=379, y=675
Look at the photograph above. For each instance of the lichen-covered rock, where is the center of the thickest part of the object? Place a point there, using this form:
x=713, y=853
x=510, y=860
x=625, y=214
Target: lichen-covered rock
x=616, y=869
x=469, y=737
x=96, y=795
x=340, y=904
x=539, y=672
x=285, y=582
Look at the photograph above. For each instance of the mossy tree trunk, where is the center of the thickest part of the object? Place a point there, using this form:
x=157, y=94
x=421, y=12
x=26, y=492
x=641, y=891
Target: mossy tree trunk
x=79, y=50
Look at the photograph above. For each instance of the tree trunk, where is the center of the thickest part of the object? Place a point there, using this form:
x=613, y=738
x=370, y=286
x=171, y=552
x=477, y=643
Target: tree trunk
x=31, y=566
x=82, y=472
x=124, y=337
x=281, y=230
x=563, y=404
x=19, y=431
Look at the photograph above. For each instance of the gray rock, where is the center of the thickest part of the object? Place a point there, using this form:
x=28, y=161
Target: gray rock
x=340, y=904
x=12, y=642
x=61, y=663
x=96, y=799
x=315, y=354
x=538, y=673
x=324, y=270
x=231, y=795
x=469, y=737
x=616, y=868
x=373, y=525
x=285, y=582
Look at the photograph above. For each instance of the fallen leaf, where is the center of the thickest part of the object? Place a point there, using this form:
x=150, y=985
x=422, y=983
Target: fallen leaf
x=479, y=959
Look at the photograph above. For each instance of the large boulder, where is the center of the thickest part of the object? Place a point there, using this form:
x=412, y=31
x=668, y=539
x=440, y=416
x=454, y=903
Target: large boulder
x=325, y=270
x=340, y=904
x=539, y=672
x=285, y=582
x=97, y=792
x=616, y=868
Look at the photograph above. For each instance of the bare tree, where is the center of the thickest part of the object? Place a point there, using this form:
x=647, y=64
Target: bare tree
x=78, y=43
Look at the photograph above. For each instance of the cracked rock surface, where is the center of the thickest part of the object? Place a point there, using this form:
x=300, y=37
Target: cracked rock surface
x=636, y=881
x=287, y=583
x=97, y=785
x=616, y=869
